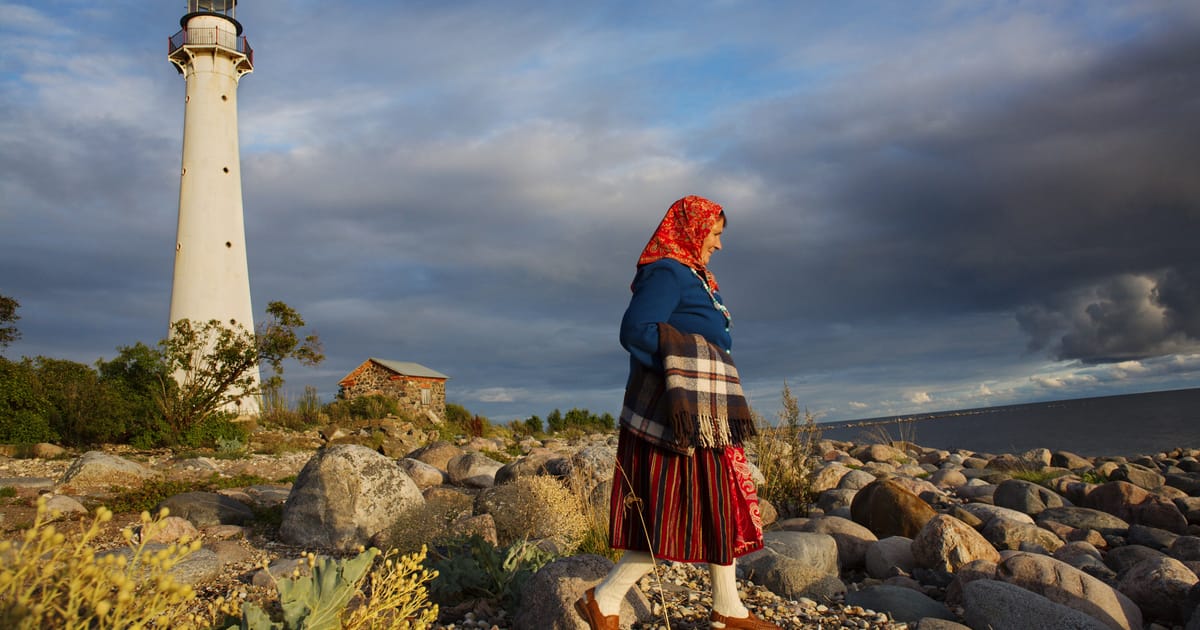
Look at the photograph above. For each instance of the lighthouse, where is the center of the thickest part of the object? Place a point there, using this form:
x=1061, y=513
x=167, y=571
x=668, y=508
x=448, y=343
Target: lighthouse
x=211, y=280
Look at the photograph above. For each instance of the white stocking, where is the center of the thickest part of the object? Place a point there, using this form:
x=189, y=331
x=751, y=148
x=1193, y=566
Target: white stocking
x=613, y=588
x=725, y=593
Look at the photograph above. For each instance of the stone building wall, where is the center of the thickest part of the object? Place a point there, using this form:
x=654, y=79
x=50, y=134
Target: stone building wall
x=411, y=393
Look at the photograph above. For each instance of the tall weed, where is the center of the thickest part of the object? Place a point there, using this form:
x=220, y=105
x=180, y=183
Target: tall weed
x=787, y=455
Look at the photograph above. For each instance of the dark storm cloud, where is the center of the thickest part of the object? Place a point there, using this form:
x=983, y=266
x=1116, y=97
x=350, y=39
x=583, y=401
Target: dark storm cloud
x=1025, y=197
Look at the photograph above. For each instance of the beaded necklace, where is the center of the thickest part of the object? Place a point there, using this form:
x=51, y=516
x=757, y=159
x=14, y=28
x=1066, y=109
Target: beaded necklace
x=713, y=296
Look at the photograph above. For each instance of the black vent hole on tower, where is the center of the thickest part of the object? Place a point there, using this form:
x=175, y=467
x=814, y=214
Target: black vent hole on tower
x=226, y=169
x=224, y=97
x=228, y=244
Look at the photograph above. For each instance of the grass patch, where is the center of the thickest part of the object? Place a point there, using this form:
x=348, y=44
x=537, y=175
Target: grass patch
x=786, y=456
x=151, y=493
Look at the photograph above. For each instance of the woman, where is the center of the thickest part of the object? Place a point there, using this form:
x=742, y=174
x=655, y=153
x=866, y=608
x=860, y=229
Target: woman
x=682, y=489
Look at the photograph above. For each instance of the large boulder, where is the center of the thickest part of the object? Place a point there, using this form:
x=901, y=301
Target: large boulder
x=1137, y=505
x=97, y=470
x=903, y=604
x=548, y=597
x=422, y=474
x=1084, y=518
x=437, y=454
x=852, y=539
x=986, y=513
x=1066, y=585
x=888, y=509
x=473, y=470
x=946, y=543
x=1160, y=586
x=827, y=477
x=889, y=557
x=1003, y=606
x=795, y=565
x=205, y=509
x=1141, y=476
x=1008, y=534
x=343, y=496
x=1026, y=497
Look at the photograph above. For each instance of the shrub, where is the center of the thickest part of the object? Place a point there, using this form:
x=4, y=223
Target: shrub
x=213, y=430
x=786, y=456
x=429, y=523
x=22, y=408
x=81, y=408
x=48, y=580
x=475, y=569
x=457, y=414
x=539, y=506
x=390, y=591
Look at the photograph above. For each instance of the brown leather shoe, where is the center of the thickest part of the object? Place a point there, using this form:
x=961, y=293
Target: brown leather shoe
x=590, y=611
x=717, y=620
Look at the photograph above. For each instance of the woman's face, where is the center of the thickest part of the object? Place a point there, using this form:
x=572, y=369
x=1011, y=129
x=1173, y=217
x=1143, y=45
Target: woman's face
x=712, y=242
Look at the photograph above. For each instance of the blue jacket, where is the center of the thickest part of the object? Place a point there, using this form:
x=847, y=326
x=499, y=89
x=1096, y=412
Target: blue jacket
x=667, y=291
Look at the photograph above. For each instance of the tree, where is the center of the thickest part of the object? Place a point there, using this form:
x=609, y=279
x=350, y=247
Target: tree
x=8, y=314
x=213, y=364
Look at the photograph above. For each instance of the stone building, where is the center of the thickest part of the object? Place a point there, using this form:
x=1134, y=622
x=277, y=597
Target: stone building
x=414, y=387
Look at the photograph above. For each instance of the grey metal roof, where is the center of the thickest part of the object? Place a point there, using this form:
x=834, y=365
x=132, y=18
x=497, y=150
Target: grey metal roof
x=408, y=368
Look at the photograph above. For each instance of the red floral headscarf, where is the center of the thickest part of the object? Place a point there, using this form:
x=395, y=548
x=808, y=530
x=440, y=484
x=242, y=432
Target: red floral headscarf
x=682, y=232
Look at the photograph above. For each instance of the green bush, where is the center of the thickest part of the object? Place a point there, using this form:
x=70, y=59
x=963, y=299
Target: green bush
x=82, y=407
x=475, y=569
x=213, y=430
x=22, y=409
x=580, y=419
x=362, y=408
x=25, y=427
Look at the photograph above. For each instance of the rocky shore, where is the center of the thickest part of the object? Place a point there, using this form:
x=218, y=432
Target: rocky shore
x=899, y=536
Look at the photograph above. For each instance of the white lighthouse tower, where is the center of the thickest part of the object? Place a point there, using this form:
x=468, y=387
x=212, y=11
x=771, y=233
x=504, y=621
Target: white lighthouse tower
x=211, y=280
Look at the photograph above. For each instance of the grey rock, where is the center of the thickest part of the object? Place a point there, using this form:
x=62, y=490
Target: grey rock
x=834, y=499
x=986, y=513
x=1121, y=559
x=948, y=478
x=795, y=565
x=1066, y=585
x=1002, y=606
x=1067, y=459
x=1185, y=548
x=437, y=454
x=1151, y=537
x=63, y=504
x=37, y=484
x=852, y=539
x=1160, y=586
x=473, y=470
x=904, y=604
x=99, y=470
x=528, y=466
x=1140, y=476
x=1007, y=534
x=593, y=465
x=548, y=597
x=198, y=566
x=423, y=474
x=888, y=556
x=205, y=509
x=855, y=480
x=1085, y=518
x=343, y=496
x=946, y=543
x=1085, y=557
x=1026, y=497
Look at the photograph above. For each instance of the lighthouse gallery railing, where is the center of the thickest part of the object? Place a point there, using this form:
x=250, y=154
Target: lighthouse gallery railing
x=210, y=36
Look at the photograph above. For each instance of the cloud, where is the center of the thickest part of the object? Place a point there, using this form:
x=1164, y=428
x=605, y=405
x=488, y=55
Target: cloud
x=1130, y=316
x=919, y=398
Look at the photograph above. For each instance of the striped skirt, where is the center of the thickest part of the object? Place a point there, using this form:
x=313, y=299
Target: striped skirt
x=697, y=508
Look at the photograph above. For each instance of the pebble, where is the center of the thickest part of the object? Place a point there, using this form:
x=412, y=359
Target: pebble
x=688, y=598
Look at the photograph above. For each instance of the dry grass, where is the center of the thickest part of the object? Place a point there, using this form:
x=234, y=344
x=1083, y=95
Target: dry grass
x=541, y=507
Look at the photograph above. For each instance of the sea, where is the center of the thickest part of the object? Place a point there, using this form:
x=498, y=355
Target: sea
x=1129, y=425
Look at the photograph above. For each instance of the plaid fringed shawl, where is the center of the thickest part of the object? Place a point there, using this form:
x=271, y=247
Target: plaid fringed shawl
x=697, y=401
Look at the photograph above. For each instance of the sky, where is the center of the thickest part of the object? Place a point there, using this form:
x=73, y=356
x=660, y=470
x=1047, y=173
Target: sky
x=932, y=205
